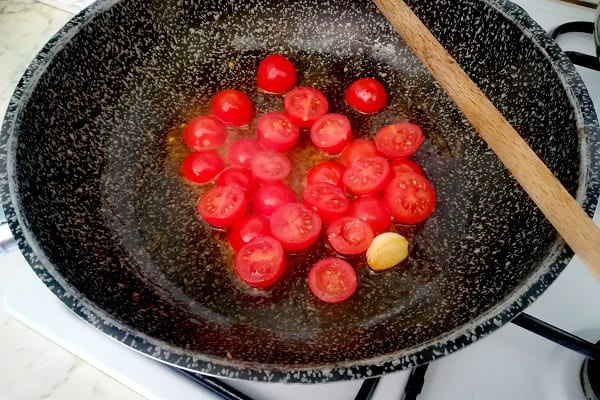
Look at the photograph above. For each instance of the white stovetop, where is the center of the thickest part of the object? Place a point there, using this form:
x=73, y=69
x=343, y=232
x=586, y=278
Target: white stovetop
x=33, y=367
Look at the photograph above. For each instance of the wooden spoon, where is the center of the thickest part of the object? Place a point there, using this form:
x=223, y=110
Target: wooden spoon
x=555, y=202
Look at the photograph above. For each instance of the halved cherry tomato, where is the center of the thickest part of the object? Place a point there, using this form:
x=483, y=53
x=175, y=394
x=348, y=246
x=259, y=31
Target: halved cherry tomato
x=202, y=166
x=332, y=280
x=275, y=74
x=295, y=226
x=270, y=197
x=328, y=172
x=366, y=95
x=350, y=235
x=204, y=132
x=261, y=262
x=356, y=149
x=238, y=176
x=303, y=105
x=327, y=200
x=410, y=198
x=270, y=166
x=248, y=228
x=368, y=175
x=401, y=165
x=222, y=206
x=331, y=133
x=399, y=140
x=241, y=152
x=232, y=107
x=372, y=210
x=276, y=131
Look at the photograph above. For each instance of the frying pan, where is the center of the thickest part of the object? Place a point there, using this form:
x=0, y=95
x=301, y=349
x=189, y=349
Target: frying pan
x=92, y=191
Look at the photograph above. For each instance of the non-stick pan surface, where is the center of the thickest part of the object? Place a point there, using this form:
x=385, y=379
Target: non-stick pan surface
x=92, y=147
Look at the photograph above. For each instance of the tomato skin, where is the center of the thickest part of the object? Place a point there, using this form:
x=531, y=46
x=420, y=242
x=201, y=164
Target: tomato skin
x=248, y=228
x=405, y=165
x=260, y=263
x=233, y=107
x=350, y=235
x=332, y=280
x=331, y=133
x=242, y=151
x=270, y=166
x=275, y=74
x=202, y=166
x=327, y=200
x=399, y=140
x=303, y=105
x=204, y=132
x=372, y=210
x=295, y=226
x=270, y=197
x=368, y=175
x=222, y=206
x=410, y=198
x=366, y=95
x=357, y=149
x=328, y=171
x=276, y=131
x=238, y=176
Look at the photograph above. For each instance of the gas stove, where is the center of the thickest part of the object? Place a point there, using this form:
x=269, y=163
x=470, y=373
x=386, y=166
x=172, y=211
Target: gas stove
x=511, y=363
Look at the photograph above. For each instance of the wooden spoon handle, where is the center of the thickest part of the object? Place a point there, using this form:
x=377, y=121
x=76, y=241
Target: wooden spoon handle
x=563, y=212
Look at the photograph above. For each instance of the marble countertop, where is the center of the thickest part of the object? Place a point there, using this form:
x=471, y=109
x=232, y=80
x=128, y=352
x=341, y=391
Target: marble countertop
x=32, y=367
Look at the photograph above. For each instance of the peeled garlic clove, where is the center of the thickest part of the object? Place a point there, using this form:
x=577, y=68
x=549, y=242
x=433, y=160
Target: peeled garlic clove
x=387, y=250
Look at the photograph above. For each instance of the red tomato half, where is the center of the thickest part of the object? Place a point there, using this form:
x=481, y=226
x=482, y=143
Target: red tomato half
x=372, y=210
x=241, y=152
x=270, y=166
x=270, y=196
x=358, y=148
x=399, y=140
x=328, y=172
x=204, y=132
x=276, y=131
x=232, y=107
x=368, y=175
x=275, y=74
x=295, y=226
x=405, y=165
x=349, y=235
x=410, y=198
x=331, y=133
x=202, y=166
x=327, y=200
x=248, y=228
x=261, y=262
x=303, y=105
x=238, y=176
x=366, y=95
x=222, y=206
x=332, y=280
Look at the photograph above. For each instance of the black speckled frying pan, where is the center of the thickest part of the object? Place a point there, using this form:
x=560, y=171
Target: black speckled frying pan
x=93, y=193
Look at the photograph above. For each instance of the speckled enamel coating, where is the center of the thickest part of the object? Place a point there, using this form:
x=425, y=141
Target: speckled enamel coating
x=104, y=219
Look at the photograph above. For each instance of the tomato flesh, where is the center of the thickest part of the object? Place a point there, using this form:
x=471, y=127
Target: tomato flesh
x=350, y=235
x=261, y=262
x=242, y=151
x=373, y=211
x=270, y=166
x=238, y=176
x=366, y=95
x=270, y=197
x=328, y=171
x=332, y=280
x=295, y=226
x=204, y=132
x=202, y=166
x=303, y=105
x=331, y=133
x=276, y=131
x=405, y=165
x=368, y=175
x=222, y=206
x=327, y=200
x=410, y=198
x=275, y=74
x=248, y=228
x=357, y=149
x=233, y=107
x=399, y=140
